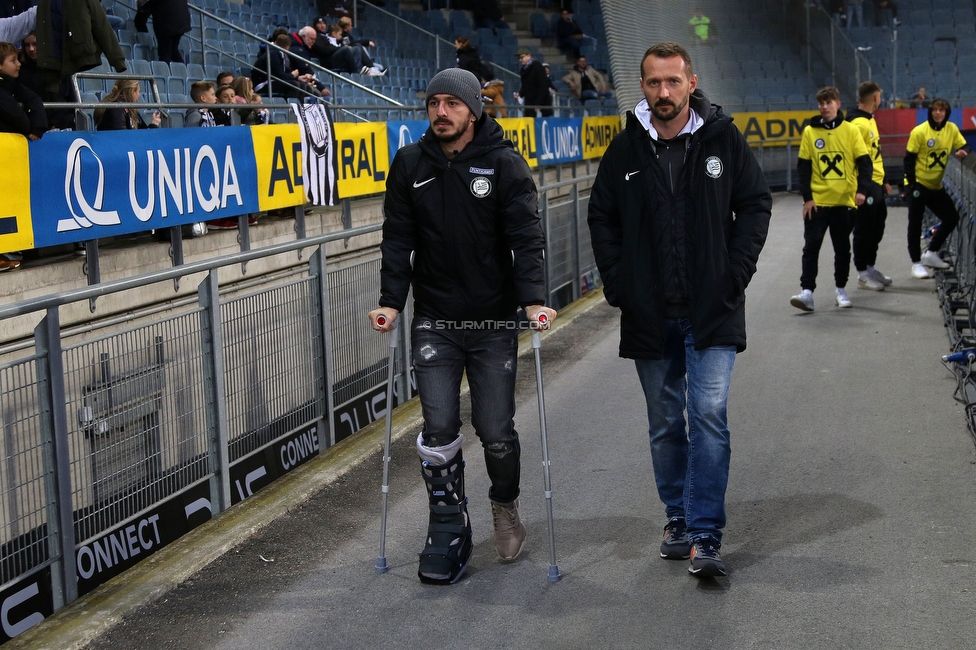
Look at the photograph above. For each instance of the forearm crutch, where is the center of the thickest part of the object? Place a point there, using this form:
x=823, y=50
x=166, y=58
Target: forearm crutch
x=536, y=345
x=385, y=488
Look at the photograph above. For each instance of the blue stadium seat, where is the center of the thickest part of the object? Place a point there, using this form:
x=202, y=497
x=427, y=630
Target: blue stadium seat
x=195, y=72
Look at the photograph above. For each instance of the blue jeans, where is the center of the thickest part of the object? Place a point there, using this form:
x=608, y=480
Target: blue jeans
x=594, y=94
x=691, y=464
x=440, y=356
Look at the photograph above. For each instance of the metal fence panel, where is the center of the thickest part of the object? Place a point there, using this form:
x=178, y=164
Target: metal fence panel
x=272, y=364
x=25, y=475
x=135, y=406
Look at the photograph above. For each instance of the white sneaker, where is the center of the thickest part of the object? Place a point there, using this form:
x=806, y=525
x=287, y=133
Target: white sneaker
x=920, y=272
x=879, y=276
x=842, y=300
x=803, y=300
x=866, y=281
x=376, y=72
x=931, y=259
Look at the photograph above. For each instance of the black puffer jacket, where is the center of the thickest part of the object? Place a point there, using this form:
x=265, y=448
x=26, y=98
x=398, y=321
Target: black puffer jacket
x=21, y=110
x=727, y=208
x=465, y=231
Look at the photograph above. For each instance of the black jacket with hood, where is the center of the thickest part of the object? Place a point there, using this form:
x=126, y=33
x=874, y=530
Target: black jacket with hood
x=465, y=231
x=726, y=206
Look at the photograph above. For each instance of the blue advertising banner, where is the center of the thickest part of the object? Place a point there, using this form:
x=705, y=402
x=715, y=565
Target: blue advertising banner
x=558, y=140
x=115, y=183
x=400, y=134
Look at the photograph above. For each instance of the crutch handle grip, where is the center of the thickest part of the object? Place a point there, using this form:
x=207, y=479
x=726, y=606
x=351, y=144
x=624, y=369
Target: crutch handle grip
x=543, y=318
x=381, y=320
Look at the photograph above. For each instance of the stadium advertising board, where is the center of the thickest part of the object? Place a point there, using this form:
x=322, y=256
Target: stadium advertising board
x=278, y=156
x=558, y=140
x=521, y=131
x=363, y=158
x=400, y=134
x=16, y=231
x=598, y=132
x=773, y=129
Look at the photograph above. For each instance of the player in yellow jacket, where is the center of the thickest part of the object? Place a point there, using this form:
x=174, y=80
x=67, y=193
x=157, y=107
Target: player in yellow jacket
x=929, y=147
x=834, y=169
x=869, y=223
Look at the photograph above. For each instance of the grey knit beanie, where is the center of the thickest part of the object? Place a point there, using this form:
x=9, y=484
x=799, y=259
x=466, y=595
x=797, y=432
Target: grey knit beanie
x=460, y=83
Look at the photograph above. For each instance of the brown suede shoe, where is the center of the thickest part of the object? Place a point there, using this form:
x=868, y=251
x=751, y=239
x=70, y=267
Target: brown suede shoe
x=509, y=531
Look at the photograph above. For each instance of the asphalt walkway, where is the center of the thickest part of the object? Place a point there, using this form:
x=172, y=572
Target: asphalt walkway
x=850, y=508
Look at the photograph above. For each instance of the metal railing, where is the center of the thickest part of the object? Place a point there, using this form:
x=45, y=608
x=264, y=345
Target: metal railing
x=957, y=286
x=822, y=37
x=118, y=437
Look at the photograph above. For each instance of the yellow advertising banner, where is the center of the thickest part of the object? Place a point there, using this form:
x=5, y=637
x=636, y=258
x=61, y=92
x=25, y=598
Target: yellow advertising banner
x=773, y=129
x=363, y=153
x=16, y=229
x=598, y=131
x=521, y=131
x=278, y=154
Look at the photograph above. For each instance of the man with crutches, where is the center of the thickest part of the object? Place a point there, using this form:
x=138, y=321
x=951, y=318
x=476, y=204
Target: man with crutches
x=678, y=214
x=461, y=226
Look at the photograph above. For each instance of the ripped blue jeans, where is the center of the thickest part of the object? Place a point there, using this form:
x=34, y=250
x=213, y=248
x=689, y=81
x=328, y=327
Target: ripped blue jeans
x=440, y=357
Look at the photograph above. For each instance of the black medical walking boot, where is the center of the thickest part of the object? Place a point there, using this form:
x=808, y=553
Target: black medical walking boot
x=449, y=546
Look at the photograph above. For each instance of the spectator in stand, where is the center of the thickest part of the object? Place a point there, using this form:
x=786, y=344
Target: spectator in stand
x=16, y=27
x=881, y=6
x=569, y=35
x=345, y=23
x=837, y=10
x=535, y=84
x=301, y=49
x=225, y=78
x=332, y=54
x=700, y=25
x=171, y=19
x=201, y=92
x=855, y=8
x=586, y=82
x=552, y=84
x=244, y=94
x=920, y=99
x=286, y=79
x=118, y=119
x=468, y=58
x=488, y=15
x=59, y=57
x=493, y=96
x=225, y=116
x=30, y=74
x=21, y=111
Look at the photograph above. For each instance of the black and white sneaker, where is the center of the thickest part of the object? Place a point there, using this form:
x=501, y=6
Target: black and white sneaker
x=675, y=545
x=706, y=560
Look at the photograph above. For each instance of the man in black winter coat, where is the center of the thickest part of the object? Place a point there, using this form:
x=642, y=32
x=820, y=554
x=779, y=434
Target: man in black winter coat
x=678, y=215
x=171, y=19
x=462, y=227
x=535, y=84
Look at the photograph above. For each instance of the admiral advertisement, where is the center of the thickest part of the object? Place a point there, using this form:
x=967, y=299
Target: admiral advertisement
x=28, y=601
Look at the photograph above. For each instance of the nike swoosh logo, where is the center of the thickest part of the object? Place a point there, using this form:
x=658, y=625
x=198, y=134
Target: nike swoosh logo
x=422, y=183
x=629, y=174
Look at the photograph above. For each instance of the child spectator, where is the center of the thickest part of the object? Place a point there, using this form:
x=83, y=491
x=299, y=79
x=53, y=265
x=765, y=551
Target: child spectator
x=30, y=74
x=244, y=94
x=117, y=119
x=834, y=168
x=225, y=116
x=21, y=111
x=201, y=92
